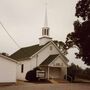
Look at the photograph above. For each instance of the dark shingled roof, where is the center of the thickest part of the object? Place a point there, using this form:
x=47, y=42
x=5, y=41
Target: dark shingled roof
x=48, y=60
x=26, y=52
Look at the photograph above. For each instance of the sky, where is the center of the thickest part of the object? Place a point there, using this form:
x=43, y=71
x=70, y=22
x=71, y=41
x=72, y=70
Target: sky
x=24, y=19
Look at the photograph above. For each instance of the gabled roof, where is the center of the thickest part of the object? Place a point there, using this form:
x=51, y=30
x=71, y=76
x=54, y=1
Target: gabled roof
x=26, y=52
x=49, y=60
x=7, y=58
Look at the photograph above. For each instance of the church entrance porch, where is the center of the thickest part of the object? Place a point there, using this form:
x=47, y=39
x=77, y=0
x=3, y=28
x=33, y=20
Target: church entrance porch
x=53, y=72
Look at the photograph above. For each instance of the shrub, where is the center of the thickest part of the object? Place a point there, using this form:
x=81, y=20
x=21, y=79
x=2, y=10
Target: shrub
x=31, y=75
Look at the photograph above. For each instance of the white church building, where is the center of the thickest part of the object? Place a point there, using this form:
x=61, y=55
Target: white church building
x=46, y=55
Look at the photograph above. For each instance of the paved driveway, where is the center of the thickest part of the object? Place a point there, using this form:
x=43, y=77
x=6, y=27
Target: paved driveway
x=60, y=86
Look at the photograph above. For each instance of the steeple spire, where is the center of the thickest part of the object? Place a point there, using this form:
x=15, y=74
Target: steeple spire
x=46, y=19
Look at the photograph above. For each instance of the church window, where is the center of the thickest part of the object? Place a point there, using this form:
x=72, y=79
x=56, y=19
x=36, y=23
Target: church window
x=22, y=68
x=45, y=32
x=42, y=32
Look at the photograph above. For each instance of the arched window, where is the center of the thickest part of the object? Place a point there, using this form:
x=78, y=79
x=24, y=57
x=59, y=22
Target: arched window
x=45, y=31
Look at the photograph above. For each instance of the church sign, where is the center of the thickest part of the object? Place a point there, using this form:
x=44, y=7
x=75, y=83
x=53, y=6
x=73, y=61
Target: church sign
x=40, y=74
x=56, y=64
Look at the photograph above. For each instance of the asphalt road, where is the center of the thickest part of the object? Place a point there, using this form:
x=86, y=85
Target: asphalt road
x=60, y=86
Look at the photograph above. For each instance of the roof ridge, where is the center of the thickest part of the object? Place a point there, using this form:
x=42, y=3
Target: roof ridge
x=53, y=54
x=29, y=46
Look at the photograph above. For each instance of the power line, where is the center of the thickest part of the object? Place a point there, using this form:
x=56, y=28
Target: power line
x=10, y=35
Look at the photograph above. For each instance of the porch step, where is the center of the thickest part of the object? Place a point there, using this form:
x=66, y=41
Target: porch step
x=56, y=81
x=53, y=81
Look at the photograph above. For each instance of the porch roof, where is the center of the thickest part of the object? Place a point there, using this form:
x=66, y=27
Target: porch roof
x=48, y=60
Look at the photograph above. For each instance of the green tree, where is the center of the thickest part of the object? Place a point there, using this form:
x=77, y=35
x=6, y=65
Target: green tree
x=62, y=47
x=83, y=9
x=31, y=75
x=80, y=38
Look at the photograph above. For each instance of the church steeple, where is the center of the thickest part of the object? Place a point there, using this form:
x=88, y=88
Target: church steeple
x=45, y=30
